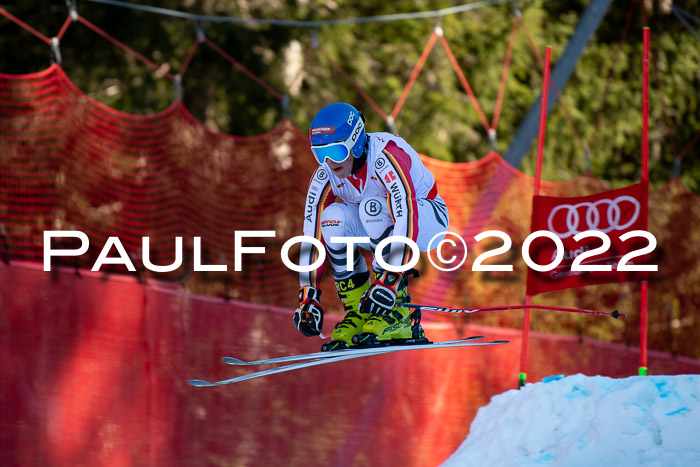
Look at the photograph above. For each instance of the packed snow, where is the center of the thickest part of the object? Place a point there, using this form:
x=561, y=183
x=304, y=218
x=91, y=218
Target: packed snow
x=581, y=421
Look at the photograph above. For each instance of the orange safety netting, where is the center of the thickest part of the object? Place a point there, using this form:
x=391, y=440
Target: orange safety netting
x=109, y=355
x=67, y=162
x=71, y=164
x=96, y=372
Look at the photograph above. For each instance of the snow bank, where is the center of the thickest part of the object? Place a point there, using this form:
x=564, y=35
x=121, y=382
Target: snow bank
x=580, y=420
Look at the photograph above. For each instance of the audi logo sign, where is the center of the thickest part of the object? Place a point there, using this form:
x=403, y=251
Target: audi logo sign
x=603, y=238
x=567, y=220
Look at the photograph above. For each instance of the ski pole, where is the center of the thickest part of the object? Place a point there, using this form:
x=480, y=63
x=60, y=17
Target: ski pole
x=615, y=314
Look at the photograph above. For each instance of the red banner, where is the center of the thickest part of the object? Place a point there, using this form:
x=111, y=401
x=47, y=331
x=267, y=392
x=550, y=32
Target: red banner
x=583, y=225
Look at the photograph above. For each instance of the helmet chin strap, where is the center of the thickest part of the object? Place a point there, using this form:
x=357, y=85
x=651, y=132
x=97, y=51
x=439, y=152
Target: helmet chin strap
x=358, y=162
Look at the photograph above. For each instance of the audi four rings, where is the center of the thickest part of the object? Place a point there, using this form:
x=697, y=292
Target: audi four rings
x=569, y=214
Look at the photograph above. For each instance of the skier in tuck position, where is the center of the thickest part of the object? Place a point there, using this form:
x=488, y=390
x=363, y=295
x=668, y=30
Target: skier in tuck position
x=384, y=190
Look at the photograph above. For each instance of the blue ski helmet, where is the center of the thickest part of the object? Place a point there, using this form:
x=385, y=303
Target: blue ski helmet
x=337, y=131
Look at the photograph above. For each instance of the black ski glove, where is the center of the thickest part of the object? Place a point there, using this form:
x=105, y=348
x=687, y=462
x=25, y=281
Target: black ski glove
x=308, y=318
x=380, y=298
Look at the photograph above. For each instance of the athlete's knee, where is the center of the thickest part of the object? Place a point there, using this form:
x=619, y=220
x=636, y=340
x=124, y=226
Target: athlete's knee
x=333, y=221
x=333, y=214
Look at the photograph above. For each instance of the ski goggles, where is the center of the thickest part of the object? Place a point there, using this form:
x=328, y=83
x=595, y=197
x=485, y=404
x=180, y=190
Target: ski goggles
x=340, y=150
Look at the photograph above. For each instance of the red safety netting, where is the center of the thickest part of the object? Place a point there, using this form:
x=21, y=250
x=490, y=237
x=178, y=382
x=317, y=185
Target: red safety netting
x=97, y=370
x=109, y=355
x=67, y=162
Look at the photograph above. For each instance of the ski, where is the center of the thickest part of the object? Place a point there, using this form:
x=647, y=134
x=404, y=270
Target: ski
x=345, y=356
x=337, y=353
x=614, y=314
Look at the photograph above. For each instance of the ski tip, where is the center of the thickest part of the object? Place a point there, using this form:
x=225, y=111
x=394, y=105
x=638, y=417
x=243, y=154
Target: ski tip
x=200, y=383
x=234, y=361
x=500, y=342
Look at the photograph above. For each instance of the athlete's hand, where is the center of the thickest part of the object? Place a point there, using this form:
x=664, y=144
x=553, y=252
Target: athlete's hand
x=380, y=298
x=308, y=318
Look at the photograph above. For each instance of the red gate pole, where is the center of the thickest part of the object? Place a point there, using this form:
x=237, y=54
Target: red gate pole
x=643, y=293
x=522, y=376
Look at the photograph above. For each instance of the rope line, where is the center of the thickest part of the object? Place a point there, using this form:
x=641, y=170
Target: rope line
x=414, y=75
x=64, y=28
x=504, y=74
x=676, y=11
x=465, y=83
x=243, y=69
x=307, y=24
x=24, y=25
x=188, y=59
x=688, y=15
x=681, y=11
x=359, y=90
x=198, y=19
x=125, y=47
x=437, y=34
